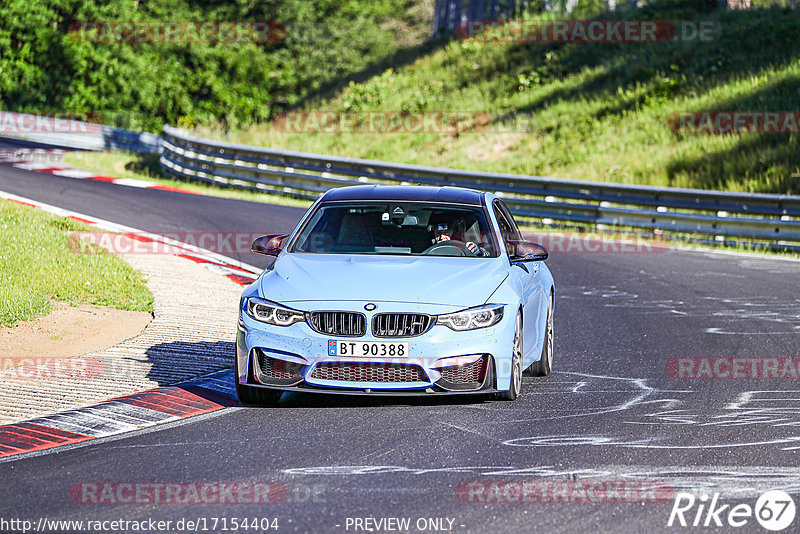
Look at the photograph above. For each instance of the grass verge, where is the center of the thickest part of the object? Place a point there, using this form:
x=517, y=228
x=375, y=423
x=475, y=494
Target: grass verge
x=37, y=265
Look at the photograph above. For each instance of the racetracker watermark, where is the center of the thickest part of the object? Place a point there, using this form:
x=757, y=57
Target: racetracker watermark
x=177, y=31
x=28, y=155
x=585, y=31
x=239, y=242
x=734, y=122
x=60, y=122
x=573, y=492
x=595, y=243
x=734, y=368
x=168, y=243
x=50, y=369
x=145, y=524
x=383, y=122
x=159, y=493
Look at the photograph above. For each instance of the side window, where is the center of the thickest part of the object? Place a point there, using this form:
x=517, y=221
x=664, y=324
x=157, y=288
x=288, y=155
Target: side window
x=506, y=229
x=510, y=219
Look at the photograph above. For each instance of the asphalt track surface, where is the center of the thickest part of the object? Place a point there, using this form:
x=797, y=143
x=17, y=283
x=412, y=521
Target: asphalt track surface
x=610, y=411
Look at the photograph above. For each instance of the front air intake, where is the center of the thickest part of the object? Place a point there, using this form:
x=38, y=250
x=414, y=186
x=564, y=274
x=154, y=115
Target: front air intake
x=400, y=324
x=338, y=323
x=369, y=372
x=275, y=372
x=466, y=377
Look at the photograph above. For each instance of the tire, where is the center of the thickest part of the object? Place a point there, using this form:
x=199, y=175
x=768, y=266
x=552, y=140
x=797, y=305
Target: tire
x=545, y=363
x=255, y=396
x=516, y=366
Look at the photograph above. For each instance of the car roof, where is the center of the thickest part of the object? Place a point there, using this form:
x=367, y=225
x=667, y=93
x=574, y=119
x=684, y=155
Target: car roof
x=447, y=194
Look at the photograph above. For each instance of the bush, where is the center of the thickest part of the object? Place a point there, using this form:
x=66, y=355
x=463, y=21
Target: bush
x=44, y=68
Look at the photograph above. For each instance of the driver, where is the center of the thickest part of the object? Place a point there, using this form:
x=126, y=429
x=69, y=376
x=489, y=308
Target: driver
x=442, y=232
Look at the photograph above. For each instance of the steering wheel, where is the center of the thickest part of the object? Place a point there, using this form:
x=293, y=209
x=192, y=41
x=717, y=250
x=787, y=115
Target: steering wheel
x=450, y=247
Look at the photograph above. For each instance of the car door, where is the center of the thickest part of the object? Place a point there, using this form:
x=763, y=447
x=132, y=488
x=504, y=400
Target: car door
x=527, y=276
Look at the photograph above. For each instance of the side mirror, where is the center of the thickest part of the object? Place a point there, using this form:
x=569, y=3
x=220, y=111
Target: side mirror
x=269, y=245
x=526, y=251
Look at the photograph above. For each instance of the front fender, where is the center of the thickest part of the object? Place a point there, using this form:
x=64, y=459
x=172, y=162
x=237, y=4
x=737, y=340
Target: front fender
x=508, y=293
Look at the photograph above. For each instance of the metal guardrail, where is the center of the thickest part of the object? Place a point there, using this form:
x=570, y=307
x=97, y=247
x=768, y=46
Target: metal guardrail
x=68, y=133
x=774, y=218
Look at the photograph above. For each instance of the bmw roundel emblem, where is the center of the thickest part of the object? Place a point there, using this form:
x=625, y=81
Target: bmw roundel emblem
x=369, y=306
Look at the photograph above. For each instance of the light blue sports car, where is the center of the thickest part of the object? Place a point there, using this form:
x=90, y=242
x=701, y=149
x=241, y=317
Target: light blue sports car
x=391, y=290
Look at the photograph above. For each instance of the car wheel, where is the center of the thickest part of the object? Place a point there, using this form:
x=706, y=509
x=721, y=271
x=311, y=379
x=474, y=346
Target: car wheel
x=256, y=396
x=516, y=365
x=545, y=363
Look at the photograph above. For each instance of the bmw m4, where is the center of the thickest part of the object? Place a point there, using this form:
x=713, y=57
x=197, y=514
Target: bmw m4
x=397, y=290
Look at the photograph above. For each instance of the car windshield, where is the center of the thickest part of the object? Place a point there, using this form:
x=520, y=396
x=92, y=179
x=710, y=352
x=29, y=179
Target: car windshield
x=407, y=228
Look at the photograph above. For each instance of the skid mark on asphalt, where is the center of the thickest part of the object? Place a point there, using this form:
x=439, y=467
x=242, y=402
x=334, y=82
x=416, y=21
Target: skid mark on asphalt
x=725, y=332
x=762, y=265
x=772, y=310
x=732, y=481
x=774, y=408
x=683, y=414
x=683, y=420
x=608, y=441
x=584, y=395
x=473, y=431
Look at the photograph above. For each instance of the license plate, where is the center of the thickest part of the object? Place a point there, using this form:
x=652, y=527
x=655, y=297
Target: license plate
x=361, y=349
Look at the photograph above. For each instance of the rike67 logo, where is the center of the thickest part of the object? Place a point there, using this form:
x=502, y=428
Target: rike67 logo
x=774, y=510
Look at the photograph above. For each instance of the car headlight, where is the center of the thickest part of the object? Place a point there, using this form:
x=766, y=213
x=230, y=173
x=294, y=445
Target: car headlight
x=271, y=313
x=473, y=318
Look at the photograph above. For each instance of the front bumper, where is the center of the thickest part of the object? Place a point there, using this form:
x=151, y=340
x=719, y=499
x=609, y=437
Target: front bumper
x=440, y=361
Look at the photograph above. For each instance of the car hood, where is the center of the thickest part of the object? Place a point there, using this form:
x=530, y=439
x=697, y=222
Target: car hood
x=452, y=281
